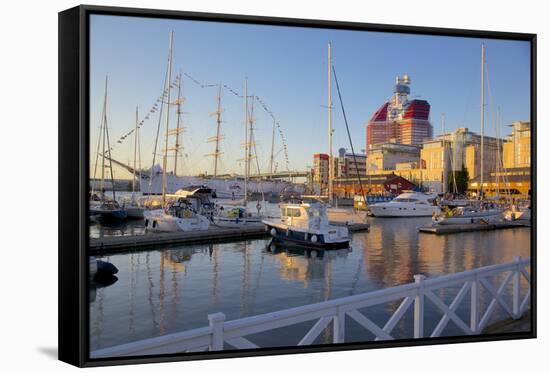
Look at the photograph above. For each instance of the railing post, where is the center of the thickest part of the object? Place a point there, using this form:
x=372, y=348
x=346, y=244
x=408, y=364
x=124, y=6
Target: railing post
x=339, y=326
x=419, y=307
x=515, y=289
x=216, y=321
x=474, y=305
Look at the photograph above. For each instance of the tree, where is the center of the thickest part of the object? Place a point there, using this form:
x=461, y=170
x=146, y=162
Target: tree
x=458, y=178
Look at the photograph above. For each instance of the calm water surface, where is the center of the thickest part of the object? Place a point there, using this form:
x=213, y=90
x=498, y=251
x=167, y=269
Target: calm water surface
x=174, y=289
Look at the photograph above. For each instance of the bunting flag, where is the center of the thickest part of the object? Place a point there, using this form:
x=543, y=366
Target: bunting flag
x=262, y=104
x=154, y=108
x=176, y=83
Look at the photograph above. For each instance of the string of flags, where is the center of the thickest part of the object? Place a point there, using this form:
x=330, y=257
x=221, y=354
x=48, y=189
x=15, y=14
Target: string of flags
x=175, y=84
x=154, y=108
x=262, y=104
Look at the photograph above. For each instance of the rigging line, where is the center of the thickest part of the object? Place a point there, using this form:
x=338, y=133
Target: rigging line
x=157, y=137
x=263, y=104
x=496, y=122
x=349, y=135
x=98, y=142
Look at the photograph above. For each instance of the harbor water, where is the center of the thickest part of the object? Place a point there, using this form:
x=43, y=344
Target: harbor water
x=173, y=289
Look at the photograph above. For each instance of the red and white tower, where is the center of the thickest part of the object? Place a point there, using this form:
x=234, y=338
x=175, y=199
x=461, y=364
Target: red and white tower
x=400, y=120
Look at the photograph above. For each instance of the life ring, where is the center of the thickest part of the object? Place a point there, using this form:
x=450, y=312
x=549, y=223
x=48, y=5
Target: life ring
x=314, y=238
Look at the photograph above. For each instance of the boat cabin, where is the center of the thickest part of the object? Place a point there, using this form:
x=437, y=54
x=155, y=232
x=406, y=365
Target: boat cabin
x=310, y=216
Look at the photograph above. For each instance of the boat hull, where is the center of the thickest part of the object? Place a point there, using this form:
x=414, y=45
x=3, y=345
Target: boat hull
x=158, y=221
x=386, y=210
x=472, y=219
x=303, y=239
x=109, y=216
x=134, y=212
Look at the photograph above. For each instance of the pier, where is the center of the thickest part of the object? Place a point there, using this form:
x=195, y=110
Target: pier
x=460, y=228
x=111, y=244
x=334, y=315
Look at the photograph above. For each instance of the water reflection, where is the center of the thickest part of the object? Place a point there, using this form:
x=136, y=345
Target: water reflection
x=174, y=289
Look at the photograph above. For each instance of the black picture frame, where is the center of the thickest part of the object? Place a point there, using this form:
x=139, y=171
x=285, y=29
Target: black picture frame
x=74, y=174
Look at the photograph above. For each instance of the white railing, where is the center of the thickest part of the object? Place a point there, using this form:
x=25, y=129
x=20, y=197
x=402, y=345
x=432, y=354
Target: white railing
x=220, y=333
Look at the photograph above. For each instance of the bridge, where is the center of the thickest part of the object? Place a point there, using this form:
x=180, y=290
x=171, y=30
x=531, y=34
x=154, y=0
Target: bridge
x=335, y=314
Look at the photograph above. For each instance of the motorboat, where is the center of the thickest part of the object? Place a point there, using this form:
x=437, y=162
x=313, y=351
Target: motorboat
x=108, y=211
x=177, y=216
x=409, y=204
x=307, y=224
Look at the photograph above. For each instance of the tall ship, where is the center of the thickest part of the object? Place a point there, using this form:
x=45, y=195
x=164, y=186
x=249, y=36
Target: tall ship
x=224, y=187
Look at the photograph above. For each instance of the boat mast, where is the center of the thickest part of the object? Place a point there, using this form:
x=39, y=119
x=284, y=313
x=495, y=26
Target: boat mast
x=104, y=122
x=218, y=136
x=251, y=144
x=106, y=129
x=272, y=149
x=245, y=140
x=164, y=163
x=179, y=101
x=330, y=130
x=482, y=124
x=135, y=152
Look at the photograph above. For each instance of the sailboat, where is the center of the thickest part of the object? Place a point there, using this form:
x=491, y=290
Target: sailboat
x=176, y=215
x=106, y=210
x=479, y=211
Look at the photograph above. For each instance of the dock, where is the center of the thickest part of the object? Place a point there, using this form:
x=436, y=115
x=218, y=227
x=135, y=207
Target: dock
x=460, y=228
x=214, y=234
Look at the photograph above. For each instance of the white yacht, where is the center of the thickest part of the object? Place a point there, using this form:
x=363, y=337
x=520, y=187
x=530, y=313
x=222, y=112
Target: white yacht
x=306, y=224
x=178, y=216
x=408, y=204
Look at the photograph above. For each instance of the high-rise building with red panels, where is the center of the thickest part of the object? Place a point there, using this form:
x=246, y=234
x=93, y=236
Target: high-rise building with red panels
x=400, y=120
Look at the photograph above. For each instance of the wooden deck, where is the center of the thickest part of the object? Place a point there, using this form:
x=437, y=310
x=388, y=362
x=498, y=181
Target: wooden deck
x=214, y=234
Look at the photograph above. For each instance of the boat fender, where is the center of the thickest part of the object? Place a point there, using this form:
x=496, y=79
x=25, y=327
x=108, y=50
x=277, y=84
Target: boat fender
x=106, y=268
x=273, y=232
x=314, y=238
x=105, y=274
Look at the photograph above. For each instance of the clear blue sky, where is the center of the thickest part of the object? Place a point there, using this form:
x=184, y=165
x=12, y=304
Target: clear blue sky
x=287, y=68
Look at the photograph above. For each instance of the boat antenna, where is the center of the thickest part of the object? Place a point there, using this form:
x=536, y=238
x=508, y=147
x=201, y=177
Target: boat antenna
x=349, y=134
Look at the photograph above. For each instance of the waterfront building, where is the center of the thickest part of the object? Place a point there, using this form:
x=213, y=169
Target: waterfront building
x=517, y=148
x=375, y=184
x=320, y=169
x=388, y=155
x=455, y=150
x=400, y=120
x=515, y=182
x=514, y=177
x=349, y=165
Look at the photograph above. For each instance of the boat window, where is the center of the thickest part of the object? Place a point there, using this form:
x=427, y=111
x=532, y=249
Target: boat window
x=293, y=212
x=283, y=211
